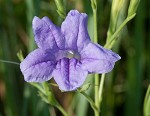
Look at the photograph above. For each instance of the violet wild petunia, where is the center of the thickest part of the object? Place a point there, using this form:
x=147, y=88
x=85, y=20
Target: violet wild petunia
x=66, y=54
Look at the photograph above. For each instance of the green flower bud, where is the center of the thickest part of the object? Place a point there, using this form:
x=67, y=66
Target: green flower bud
x=133, y=7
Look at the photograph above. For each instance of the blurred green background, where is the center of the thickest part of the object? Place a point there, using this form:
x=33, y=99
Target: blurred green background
x=125, y=87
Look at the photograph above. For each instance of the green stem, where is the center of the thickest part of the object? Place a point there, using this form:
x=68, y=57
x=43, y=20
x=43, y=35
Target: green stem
x=90, y=101
x=36, y=85
x=113, y=37
x=52, y=100
x=95, y=26
x=10, y=62
x=62, y=110
x=96, y=94
x=101, y=89
x=94, y=8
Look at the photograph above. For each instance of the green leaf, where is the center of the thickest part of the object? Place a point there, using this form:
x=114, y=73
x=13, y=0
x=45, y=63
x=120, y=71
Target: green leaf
x=147, y=103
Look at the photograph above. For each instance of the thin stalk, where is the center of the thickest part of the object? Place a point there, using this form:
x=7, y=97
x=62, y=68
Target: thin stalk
x=36, y=85
x=96, y=94
x=51, y=99
x=94, y=8
x=101, y=88
x=95, y=26
x=10, y=62
x=62, y=110
x=90, y=101
x=113, y=37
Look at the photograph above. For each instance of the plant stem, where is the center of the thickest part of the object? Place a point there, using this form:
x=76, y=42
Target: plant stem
x=62, y=110
x=96, y=94
x=90, y=101
x=95, y=26
x=36, y=85
x=10, y=62
x=52, y=100
x=94, y=8
x=101, y=88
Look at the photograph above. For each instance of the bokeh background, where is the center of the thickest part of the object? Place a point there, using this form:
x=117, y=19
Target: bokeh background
x=124, y=88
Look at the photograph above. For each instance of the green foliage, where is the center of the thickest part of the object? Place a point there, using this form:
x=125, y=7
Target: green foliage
x=147, y=103
x=60, y=8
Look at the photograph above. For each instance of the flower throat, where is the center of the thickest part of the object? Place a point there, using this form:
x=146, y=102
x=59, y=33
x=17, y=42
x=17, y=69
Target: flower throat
x=72, y=54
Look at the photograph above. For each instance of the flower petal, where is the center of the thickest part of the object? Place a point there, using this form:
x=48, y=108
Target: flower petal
x=75, y=31
x=68, y=74
x=97, y=59
x=47, y=35
x=38, y=66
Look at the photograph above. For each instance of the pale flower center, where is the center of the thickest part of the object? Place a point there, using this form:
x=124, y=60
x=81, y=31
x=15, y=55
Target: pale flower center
x=72, y=54
x=67, y=54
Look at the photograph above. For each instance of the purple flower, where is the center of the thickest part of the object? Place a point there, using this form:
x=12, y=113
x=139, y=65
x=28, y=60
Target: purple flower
x=66, y=54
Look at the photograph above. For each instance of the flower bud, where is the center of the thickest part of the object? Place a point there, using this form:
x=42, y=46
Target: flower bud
x=115, y=9
x=133, y=7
